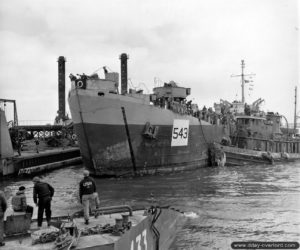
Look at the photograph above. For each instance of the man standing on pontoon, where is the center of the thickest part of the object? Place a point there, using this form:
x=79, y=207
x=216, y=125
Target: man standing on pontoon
x=87, y=194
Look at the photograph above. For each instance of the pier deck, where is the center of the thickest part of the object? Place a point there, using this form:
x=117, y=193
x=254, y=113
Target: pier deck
x=30, y=162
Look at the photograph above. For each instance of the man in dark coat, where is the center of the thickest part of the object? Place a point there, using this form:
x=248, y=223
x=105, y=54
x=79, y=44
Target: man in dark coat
x=3, y=207
x=42, y=196
x=19, y=203
x=87, y=194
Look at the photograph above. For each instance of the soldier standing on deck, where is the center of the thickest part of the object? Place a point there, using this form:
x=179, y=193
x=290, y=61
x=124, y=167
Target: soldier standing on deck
x=87, y=193
x=3, y=207
x=42, y=196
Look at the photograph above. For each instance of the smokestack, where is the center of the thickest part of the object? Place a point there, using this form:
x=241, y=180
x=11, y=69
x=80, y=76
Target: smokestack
x=61, y=87
x=124, y=57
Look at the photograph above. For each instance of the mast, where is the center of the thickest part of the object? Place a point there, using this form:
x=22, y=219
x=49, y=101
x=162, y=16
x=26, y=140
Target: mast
x=242, y=75
x=295, y=115
x=243, y=81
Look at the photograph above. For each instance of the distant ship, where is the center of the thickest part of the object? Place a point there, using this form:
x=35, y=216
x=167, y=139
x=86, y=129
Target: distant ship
x=132, y=132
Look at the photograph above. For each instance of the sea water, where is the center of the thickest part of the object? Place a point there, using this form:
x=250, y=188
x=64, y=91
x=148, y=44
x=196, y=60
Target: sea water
x=222, y=205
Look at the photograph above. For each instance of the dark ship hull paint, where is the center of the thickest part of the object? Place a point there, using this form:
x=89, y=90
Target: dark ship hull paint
x=105, y=148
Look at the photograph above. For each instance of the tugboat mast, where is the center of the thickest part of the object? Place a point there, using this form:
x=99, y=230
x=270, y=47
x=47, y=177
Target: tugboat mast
x=242, y=75
x=295, y=115
x=243, y=81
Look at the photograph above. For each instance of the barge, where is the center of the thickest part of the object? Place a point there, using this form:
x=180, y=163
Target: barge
x=116, y=228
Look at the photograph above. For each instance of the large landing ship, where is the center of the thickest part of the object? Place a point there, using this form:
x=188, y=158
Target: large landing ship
x=131, y=132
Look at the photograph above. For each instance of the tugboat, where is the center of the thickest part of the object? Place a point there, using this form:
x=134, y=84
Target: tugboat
x=136, y=133
x=256, y=137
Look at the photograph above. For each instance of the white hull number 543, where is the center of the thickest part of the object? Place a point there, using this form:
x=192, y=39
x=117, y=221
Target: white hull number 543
x=180, y=133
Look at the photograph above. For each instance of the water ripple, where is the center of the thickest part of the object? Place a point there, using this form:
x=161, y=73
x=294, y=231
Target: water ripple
x=260, y=203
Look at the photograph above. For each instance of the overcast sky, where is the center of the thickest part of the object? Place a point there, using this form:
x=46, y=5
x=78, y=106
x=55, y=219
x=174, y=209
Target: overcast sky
x=197, y=43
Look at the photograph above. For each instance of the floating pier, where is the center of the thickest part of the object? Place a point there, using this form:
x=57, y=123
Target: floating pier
x=56, y=158
x=31, y=149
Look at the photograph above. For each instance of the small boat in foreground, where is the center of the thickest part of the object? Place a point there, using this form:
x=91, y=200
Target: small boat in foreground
x=113, y=228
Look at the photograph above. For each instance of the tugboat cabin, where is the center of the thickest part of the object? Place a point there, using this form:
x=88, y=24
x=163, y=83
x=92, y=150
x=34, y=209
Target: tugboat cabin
x=259, y=127
x=263, y=133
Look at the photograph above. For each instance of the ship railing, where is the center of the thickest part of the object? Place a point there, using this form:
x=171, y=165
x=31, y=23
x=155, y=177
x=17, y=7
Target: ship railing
x=114, y=209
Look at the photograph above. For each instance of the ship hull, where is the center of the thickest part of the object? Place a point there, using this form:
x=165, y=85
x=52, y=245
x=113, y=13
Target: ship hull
x=101, y=129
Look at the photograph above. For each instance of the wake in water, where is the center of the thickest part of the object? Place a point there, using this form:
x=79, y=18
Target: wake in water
x=191, y=215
